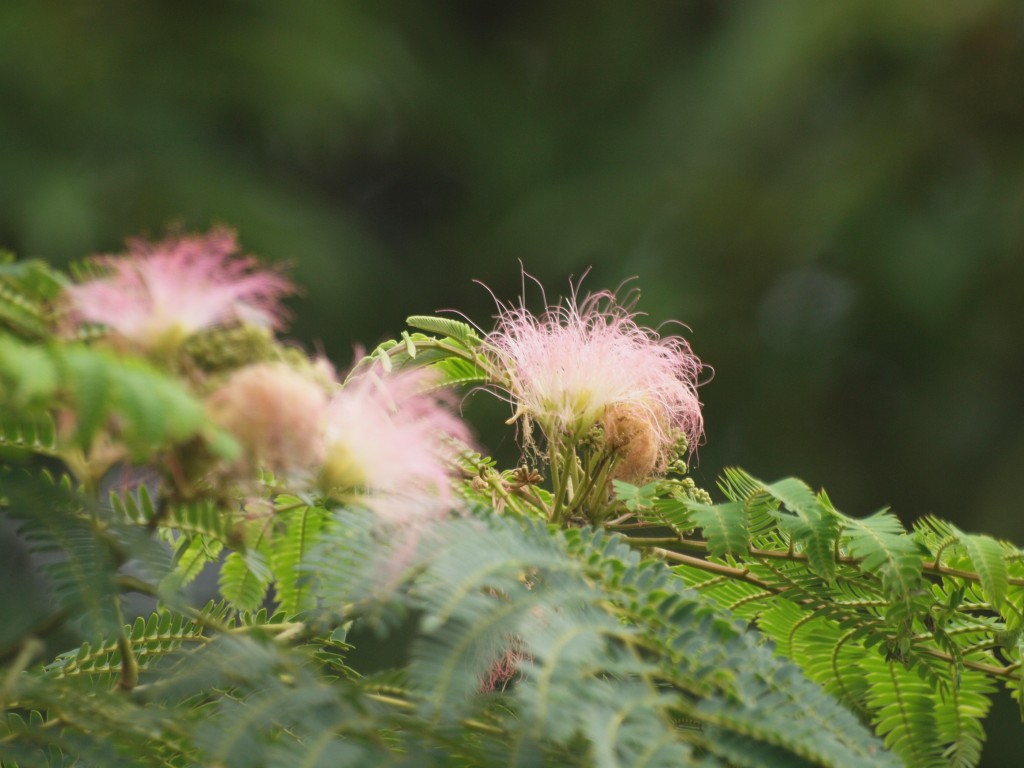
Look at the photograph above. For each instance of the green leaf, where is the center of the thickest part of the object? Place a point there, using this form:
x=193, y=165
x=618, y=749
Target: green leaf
x=906, y=712
x=289, y=553
x=79, y=559
x=796, y=495
x=724, y=526
x=884, y=547
x=986, y=556
x=36, y=434
x=456, y=371
x=461, y=332
x=812, y=525
x=635, y=498
x=90, y=377
x=244, y=579
x=163, y=633
x=34, y=278
x=410, y=345
x=28, y=376
x=25, y=286
x=192, y=554
x=819, y=544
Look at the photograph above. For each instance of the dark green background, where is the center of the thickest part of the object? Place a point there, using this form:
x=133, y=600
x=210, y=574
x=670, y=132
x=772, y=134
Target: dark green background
x=829, y=194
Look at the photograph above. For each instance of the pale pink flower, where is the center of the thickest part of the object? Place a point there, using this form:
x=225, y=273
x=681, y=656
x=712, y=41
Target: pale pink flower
x=583, y=363
x=503, y=670
x=160, y=293
x=276, y=413
x=391, y=439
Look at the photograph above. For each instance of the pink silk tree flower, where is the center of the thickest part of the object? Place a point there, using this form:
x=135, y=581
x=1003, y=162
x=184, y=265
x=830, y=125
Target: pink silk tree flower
x=390, y=441
x=585, y=363
x=160, y=293
x=276, y=413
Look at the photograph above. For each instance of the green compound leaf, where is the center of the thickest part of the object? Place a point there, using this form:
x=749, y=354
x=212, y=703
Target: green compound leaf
x=885, y=548
x=244, y=579
x=288, y=553
x=724, y=526
x=455, y=371
x=812, y=525
x=26, y=287
x=462, y=332
x=986, y=555
x=635, y=498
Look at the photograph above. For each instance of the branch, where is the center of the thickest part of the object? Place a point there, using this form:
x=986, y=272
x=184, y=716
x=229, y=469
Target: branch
x=988, y=669
x=933, y=568
x=743, y=574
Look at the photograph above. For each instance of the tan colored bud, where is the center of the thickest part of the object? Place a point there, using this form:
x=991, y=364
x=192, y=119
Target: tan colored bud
x=635, y=441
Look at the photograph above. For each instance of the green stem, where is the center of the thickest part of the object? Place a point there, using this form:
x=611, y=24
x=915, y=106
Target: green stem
x=743, y=574
x=977, y=666
x=596, y=498
x=559, y=482
x=30, y=648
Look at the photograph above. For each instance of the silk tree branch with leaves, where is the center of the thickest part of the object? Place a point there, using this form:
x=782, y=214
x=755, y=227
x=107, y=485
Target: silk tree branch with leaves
x=869, y=610
x=153, y=425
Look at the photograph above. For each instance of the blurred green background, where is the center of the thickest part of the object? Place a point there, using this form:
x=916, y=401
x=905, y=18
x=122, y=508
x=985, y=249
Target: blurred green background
x=829, y=194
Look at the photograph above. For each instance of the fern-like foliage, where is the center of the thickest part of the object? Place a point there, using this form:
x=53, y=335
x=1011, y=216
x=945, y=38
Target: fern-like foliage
x=27, y=288
x=301, y=528
x=617, y=653
x=446, y=327
x=452, y=354
x=36, y=435
x=152, y=408
x=79, y=558
x=162, y=634
x=619, y=663
x=911, y=629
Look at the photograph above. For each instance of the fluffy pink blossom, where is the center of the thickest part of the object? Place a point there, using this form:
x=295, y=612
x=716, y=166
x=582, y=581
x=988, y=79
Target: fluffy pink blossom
x=583, y=363
x=159, y=293
x=390, y=438
x=276, y=414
